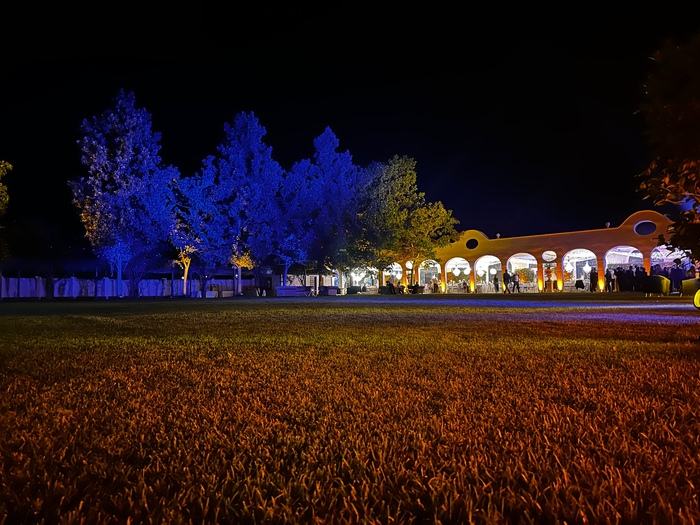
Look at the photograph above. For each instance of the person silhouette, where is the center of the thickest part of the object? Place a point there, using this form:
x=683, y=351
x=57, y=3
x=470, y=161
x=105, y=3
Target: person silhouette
x=594, y=279
x=515, y=280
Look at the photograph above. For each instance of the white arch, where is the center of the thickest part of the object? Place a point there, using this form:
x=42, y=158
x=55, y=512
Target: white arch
x=393, y=271
x=578, y=264
x=460, y=264
x=487, y=267
x=525, y=265
x=458, y=270
x=364, y=276
x=428, y=272
x=663, y=257
x=623, y=257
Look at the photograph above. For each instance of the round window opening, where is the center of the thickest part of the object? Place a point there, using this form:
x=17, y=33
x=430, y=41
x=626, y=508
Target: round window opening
x=644, y=228
x=472, y=243
x=549, y=256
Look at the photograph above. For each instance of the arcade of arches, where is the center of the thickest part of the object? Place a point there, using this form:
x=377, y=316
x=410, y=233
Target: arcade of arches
x=570, y=261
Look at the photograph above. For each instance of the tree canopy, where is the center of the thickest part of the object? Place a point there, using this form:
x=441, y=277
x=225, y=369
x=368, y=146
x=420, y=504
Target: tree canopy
x=242, y=207
x=399, y=224
x=124, y=200
x=672, y=113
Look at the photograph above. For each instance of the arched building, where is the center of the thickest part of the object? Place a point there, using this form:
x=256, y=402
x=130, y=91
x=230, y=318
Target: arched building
x=554, y=261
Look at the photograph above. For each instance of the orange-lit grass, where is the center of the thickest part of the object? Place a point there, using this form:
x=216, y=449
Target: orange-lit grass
x=295, y=411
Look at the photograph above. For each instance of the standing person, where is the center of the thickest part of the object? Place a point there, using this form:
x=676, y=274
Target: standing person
x=609, y=280
x=495, y=283
x=506, y=282
x=594, y=279
x=390, y=286
x=516, y=282
x=677, y=275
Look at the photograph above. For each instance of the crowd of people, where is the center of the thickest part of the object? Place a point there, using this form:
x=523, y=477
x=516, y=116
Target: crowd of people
x=676, y=274
x=394, y=287
x=621, y=279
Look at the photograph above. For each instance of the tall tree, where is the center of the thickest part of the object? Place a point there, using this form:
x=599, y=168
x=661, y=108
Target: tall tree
x=399, y=224
x=123, y=201
x=335, y=191
x=292, y=229
x=206, y=214
x=244, y=163
x=672, y=113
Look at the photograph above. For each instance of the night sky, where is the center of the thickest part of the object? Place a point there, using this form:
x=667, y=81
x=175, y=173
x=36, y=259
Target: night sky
x=521, y=125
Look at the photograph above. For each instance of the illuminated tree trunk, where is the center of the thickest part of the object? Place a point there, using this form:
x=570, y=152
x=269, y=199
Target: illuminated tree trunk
x=185, y=261
x=284, y=273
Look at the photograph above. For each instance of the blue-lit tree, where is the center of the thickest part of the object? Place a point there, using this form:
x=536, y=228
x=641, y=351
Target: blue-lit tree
x=206, y=220
x=244, y=163
x=292, y=230
x=337, y=189
x=124, y=199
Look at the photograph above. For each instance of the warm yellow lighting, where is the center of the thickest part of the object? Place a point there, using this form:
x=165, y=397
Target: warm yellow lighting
x=540, y=285
x=471, y=287
x=601, y=284
x=560, y=285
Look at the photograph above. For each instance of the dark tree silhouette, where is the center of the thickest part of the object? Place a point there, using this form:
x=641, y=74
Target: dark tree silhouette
x=672, y=113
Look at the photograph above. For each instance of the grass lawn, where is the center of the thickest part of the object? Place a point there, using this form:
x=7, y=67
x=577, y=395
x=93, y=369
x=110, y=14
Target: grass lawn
x=350, y=409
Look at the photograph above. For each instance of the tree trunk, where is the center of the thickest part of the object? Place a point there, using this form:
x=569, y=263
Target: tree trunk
x=239, y=284
x=186, y=268
x=119, y=277
x=284, y=274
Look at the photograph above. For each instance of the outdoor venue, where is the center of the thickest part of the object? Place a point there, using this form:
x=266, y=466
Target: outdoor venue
x=298, y=263
x=548, y=262
x=557, y=262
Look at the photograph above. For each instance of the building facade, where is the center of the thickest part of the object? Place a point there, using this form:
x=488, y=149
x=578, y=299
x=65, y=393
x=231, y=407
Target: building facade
x=565, y=261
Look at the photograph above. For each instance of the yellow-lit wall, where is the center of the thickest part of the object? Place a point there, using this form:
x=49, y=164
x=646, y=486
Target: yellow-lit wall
x=598, y=241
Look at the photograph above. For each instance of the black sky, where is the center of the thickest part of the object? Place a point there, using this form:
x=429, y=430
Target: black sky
x=521, y=122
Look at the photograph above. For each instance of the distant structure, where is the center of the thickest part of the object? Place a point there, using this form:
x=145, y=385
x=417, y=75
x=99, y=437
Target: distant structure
x=550, y=262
